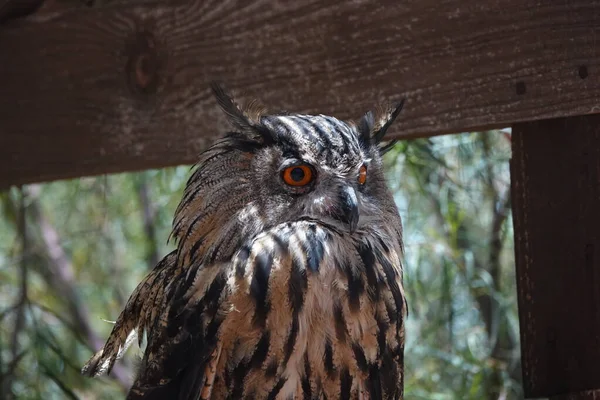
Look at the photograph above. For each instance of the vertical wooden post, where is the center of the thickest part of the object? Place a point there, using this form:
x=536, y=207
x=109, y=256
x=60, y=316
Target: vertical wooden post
x=555, y=174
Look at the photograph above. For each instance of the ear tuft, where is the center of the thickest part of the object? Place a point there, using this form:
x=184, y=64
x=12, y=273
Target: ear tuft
x=245, y=120
x=374, y=125
x=232, y=110
x=387, y=120
x=365, y=127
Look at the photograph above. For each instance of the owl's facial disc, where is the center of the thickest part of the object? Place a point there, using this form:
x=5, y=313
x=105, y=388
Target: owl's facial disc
x=321, y=169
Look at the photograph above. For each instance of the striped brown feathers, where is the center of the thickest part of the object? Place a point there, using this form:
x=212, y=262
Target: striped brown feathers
x=286, y=282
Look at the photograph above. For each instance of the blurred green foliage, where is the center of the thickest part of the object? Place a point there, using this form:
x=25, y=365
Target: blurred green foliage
x=69, y=266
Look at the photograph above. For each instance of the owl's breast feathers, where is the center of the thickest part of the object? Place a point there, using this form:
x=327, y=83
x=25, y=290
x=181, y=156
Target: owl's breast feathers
x=299, y=312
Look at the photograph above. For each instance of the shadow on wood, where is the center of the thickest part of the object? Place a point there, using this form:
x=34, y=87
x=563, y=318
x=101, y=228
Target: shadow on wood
x=555, y=174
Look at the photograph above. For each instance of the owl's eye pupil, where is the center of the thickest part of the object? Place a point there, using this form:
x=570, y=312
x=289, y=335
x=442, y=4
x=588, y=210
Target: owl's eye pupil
x=297, y=174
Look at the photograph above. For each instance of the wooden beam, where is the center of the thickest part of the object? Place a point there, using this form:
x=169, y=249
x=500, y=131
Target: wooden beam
x=555, y=172
x=93, y=91
x=587, y=395
x=17, y=8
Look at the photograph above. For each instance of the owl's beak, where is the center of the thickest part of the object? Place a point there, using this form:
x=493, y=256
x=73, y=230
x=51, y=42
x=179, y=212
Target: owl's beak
x=348, y=204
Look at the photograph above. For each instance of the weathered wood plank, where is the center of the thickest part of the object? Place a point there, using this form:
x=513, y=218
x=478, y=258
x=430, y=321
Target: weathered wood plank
x=556, y=209
x=587, y=395
x=17, y=8
x=118, y=88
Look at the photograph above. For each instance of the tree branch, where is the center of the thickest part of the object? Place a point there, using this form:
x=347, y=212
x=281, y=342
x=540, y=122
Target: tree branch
x=500, y=342
x=148, y=215
x=21, y=302
x=61, y=276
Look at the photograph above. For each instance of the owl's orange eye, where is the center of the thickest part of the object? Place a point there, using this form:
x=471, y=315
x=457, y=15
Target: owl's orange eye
x=298, y=175
x=362, y=175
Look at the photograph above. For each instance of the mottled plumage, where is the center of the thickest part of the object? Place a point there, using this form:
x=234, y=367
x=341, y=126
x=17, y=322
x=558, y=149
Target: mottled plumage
x=277, y=290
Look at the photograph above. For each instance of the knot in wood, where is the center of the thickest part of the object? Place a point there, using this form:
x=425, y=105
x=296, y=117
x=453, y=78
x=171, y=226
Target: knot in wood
x=143, y=64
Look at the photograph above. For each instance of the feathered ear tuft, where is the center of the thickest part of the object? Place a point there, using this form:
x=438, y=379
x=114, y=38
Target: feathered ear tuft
x=373, y=126
x=244, y=120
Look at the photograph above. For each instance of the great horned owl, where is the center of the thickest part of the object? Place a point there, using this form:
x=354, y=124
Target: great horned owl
x=286, y=282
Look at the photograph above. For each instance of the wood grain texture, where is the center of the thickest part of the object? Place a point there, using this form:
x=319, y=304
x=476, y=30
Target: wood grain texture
x=125, y=87
x=17, y=8
x=555, y=173
x=587, y=395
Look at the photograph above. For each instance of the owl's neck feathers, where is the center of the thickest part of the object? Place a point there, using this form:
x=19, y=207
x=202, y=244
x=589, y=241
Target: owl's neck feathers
x=216, y=205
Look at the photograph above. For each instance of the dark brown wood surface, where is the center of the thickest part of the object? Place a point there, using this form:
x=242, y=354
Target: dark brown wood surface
x=125, y=87
x=555, y=173
x=17, y=8
x=587, y=395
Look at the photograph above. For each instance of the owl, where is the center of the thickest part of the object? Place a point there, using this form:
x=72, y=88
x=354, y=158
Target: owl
x=286, y=281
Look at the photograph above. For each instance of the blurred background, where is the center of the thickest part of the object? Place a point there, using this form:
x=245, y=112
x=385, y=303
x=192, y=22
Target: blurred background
x=72, y=251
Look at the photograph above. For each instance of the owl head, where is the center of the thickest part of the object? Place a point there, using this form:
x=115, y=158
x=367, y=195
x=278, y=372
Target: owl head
x=273, y=168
